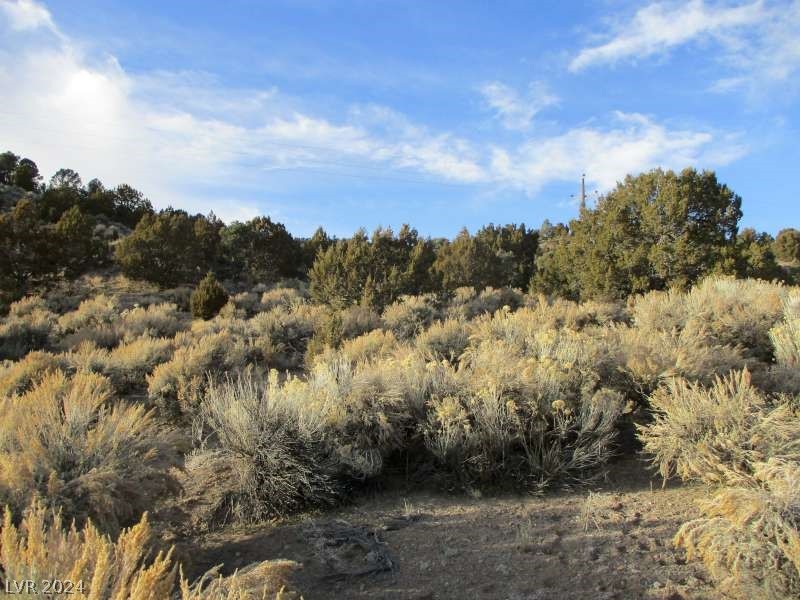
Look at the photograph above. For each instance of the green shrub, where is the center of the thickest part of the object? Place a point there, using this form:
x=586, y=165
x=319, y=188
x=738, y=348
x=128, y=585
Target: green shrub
x=208, y=298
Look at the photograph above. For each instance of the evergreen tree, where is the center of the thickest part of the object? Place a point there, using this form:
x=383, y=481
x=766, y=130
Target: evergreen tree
x=787, y=245
x=208, y=298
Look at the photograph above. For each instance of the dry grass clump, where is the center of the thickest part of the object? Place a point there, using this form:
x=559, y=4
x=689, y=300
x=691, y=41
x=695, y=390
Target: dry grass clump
x=66, y=442
x=18, y=377
x=718, y=434
x=93, y=312
x=410, y=315
x=444, y=340
x=176, y=386
x=27, y=327
x=749, y=537
x=41, y=548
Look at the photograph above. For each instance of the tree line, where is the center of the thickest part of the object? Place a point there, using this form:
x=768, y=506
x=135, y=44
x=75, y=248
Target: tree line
x=656, y=230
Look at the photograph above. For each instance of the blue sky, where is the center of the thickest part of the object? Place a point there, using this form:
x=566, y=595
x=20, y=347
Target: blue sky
x=439, y=114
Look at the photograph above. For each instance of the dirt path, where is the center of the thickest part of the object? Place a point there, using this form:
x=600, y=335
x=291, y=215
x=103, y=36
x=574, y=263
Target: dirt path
x=612, y=543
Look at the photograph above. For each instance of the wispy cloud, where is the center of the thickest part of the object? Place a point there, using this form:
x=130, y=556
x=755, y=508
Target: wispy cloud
x=25, y=15
x=659, y=27
x=630, y=144
x=516, y=111
x=181, y=136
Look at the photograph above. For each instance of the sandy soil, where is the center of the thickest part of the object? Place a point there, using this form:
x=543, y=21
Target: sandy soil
x=612, y=541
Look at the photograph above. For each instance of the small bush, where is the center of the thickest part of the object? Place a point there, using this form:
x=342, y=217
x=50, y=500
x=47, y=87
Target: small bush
x=28, y=327
x=157, y=320
x=717, y=434
x=246, y=302
x=128, y=365
x=373, y=345
x=177, y=386
x=723, y=311
x=786, y=335
x=410, y=315
x=93, y=312
x=466, y=304
x=280, y=461
x=284, y=298
x=282, y=336
x=18, y=377
x=444, y=340
x=358, y=320
x=208, y=298
x=64, y=441
x=749, y=537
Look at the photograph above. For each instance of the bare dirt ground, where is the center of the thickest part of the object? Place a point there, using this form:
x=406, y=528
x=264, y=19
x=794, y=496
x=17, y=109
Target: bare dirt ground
x=612, y=541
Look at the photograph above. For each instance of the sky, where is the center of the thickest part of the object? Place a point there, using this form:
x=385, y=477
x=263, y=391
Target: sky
x=367, y=113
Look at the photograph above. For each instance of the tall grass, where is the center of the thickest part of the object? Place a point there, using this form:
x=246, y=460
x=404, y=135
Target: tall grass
x=95, y=566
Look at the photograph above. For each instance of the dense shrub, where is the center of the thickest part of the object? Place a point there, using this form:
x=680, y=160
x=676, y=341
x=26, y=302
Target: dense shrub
x=27, y=327
x=282, y=297
x=444, y=340
x=466, y=304
x=375, y=344
x=749, y=536
x=128, y=365
x=208, y=298
x=65, y=441
x=718, y=434
x=282, y=336
x=176, y=386
x=18, y=377
x=156, y=320
x=410, y=315
x=93, y=312
x=279, y=459
x=786, y=335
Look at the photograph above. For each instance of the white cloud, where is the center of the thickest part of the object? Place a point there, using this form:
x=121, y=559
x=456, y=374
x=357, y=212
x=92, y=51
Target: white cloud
x=181, y=137
x=516, y=111
x=658, y=27
x=24, y=15
x=769, y=56
x=633, y=143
